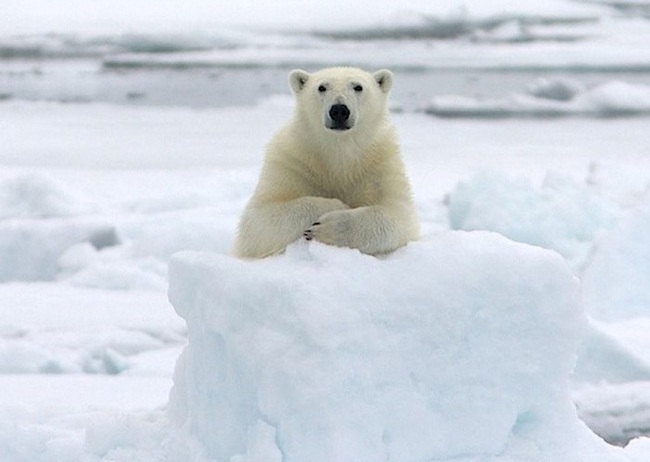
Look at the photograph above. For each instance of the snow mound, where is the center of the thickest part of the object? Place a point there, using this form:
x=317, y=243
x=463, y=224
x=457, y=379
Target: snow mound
x=559, y=97
x=35, y=196
x=30, y=248
x=439, y=351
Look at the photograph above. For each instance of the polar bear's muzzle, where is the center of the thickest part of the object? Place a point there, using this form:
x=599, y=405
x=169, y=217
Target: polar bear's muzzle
x=338, y=117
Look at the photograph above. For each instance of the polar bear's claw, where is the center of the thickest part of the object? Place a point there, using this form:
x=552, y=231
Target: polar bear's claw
x=309, y=232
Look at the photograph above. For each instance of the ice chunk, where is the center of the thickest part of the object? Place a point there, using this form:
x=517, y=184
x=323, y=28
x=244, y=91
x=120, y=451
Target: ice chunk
x=618, y=98
x=604, y=357
x=456, y=347
x=616, y=283
x=558, y=89
x=551, y=98
x=561, y=214
x=618, y=412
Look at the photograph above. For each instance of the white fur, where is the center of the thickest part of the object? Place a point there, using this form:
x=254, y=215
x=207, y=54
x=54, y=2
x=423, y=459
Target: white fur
x=341, y=187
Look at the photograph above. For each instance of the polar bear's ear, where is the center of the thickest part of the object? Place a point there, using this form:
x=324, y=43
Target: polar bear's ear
x=384, y=78
x=297, y=80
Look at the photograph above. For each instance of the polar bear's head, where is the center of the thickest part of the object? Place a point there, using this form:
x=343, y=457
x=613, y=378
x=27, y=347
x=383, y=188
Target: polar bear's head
x=341, y=99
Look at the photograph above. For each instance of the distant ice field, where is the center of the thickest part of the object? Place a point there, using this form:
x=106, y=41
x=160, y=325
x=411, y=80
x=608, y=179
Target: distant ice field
x=210, y=54
x=83, y=81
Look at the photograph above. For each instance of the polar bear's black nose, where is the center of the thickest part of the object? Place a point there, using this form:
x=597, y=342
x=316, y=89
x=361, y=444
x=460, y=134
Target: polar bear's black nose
x=339, y=113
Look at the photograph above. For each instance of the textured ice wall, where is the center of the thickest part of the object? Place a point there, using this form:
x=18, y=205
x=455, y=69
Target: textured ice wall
x=456, y=347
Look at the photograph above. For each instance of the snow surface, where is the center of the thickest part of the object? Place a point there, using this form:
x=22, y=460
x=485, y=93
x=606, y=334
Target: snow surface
x=130, y=132
x=100, y=307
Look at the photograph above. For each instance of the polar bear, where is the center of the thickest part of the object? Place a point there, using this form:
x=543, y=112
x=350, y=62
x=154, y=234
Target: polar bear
x=334, y=173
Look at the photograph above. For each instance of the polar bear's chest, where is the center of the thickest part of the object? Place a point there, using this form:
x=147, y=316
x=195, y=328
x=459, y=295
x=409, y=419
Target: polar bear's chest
x=355, y=192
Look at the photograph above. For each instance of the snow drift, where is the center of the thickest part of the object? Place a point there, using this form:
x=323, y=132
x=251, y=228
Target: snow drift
x=457, y=347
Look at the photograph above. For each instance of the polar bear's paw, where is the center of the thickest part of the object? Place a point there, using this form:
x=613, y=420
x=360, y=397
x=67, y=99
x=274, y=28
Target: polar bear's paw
x=333, y=228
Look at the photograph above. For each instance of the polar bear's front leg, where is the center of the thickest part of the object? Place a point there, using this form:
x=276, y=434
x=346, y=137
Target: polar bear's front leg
x=373, y=229
x=266, y=228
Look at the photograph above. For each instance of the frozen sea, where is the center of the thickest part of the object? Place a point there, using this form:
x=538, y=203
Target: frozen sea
x=130, y=133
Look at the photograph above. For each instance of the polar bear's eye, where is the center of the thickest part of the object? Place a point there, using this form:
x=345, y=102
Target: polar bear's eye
x=358, y=88
x=322, y=89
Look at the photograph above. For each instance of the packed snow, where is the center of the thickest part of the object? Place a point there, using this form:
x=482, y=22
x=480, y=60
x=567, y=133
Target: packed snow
x=516, y=329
